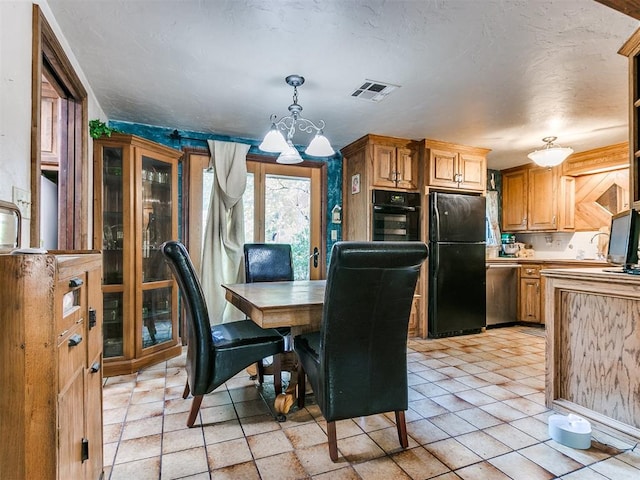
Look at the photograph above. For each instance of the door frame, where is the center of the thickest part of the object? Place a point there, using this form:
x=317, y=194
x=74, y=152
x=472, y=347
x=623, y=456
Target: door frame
x=196, y=160
x=73, y=174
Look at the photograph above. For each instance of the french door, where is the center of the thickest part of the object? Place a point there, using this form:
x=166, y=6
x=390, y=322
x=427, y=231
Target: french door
x=282, y=204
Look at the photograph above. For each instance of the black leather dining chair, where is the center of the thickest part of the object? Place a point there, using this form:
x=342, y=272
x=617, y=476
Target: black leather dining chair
x=269, y=262
x=214, y=353
x=357, y=362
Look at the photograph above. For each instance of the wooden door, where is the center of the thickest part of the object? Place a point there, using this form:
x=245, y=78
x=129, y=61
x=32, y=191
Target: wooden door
x=442, y=168
x=473, y=170
x=407, y=167
x=542, y=207
x=384, y=166
x=514, y=200
x=529, y=300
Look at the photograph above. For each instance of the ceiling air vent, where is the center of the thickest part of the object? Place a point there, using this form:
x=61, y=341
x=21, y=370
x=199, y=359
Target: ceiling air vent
x=373, y=91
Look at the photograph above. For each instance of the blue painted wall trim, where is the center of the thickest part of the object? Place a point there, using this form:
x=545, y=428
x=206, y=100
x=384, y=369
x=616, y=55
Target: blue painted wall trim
x=162, y=135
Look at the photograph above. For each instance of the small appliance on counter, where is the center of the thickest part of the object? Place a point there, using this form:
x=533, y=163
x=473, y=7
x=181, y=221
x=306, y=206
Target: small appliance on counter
x=509, y=245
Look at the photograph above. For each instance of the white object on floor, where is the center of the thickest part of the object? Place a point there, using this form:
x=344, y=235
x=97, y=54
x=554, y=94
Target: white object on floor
x=571, y=430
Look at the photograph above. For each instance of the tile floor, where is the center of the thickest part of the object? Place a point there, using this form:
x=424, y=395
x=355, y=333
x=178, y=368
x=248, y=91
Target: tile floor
x=476, y=411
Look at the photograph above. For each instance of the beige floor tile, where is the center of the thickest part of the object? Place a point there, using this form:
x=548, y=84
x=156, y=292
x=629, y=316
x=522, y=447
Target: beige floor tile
x=213, y=415
x=427, y=408
x=475, y=398
x=451, y=402
x=268, y=444
x=516, y=466
x=345, y=473
x=142, y=428
x=616, y=469
x=388, y=440
x=452, y=424
x=316, y=460
x=184, y=463
x=419, y=463
x=284, y=466
x=481, y=471
x=429, y=389
x=228, y=453
x=138, y=448
x=423, y=432
x=503, y=412
x=145, y=410
x=146, y=469
x=184, y=439
x=534, y=427
x=550, y=459
x=479, y=418
x=451, y=385
x=222, y=432
x=111, y=432
x=379, y=468
x=359, y=448
x=373, y=422
x=452, y=453
x=584, y=474
x=244, y=471
x=483, y=445
x=306, y=435
x=344, y=428
x=258, y=424
x=525, y=405
x=510, y=436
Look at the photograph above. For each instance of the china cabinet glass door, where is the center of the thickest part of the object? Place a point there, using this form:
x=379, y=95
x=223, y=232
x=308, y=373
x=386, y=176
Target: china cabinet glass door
x=156, y=223
x=112, y=250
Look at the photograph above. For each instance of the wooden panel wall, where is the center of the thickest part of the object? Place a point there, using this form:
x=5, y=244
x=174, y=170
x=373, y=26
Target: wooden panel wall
x=598, y=364
x=589, y=214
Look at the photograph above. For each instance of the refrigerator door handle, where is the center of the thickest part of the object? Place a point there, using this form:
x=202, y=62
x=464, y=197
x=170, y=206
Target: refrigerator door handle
x=436, y=216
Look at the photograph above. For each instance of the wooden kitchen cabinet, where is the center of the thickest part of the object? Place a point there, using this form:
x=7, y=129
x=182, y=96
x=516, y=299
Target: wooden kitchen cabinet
x=455, y=166
x=537, y=199
x=136, y=205
x=529, y=297
x=631, y=49
x=381, y=162
x=51, y=366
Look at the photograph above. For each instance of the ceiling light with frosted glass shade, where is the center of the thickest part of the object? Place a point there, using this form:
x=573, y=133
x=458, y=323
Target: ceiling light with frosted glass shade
x=275, y=142
x=550, y=154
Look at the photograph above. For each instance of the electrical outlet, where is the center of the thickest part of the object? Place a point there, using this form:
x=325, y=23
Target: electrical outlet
x=334, y=235
x=22, y=199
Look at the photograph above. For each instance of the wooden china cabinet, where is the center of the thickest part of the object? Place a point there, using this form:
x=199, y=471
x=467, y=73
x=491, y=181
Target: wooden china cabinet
x=136, y=205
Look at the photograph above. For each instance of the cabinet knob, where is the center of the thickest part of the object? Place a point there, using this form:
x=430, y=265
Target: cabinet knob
x=95, y=367
x=75, y=282
x=75, y=340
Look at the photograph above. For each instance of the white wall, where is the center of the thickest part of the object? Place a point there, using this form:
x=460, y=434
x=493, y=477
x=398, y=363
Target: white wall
x=15, y=98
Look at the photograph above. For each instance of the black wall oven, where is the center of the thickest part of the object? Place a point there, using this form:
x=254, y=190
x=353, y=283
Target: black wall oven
x=396, y=216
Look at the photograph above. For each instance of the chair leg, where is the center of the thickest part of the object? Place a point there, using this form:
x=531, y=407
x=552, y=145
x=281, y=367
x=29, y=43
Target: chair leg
x=195, y=408
x=185, y=394
x=260, y=368
x=302, y=388
x=402, y=429
x=333, y=442
x=277, y=373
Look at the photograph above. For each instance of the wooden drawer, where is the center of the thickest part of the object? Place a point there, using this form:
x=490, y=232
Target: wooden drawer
x=70, y=301
x=72, y=355
x=530, y=271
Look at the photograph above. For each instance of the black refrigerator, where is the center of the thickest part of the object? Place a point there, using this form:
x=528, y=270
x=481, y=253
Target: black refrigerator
x=457, y=273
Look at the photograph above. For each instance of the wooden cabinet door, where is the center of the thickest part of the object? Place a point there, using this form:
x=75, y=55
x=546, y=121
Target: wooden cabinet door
x=93, y=418
x=529, y=300
x=407, y=168
x=566, y=204
x=384, y=166
x=473, y=169
x=71, y=427
x=443, y=167
x=542, y=208
x=514, y=200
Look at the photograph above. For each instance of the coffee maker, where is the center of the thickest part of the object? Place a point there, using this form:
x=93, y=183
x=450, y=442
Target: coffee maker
x=509, y=246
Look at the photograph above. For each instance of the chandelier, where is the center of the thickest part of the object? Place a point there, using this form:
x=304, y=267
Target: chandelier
x=275, y=142
x=550, y=154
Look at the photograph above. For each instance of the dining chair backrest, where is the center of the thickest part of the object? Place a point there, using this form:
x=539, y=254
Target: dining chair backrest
x=268, y=262
x=363, y=338
x=199, y=362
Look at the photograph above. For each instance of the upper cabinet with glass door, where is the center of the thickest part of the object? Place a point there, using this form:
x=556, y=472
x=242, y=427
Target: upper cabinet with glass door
x=136, y=208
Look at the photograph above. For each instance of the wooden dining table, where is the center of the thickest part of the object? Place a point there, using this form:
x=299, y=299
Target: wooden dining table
x=297, y=304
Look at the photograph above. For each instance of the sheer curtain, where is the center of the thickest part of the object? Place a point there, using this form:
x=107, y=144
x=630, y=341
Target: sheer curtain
x=224, y=231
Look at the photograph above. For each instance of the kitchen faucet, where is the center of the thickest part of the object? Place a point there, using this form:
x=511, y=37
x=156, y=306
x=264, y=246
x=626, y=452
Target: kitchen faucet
x=600, y=255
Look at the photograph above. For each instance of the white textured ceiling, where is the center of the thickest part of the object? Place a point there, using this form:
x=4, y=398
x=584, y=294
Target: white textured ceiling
x=499, y=74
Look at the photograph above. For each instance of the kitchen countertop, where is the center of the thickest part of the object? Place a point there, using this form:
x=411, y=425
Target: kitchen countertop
x=544, y=261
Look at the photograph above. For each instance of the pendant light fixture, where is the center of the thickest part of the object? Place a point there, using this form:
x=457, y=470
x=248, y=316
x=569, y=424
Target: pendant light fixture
x=550, y=154
x=275, y=142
